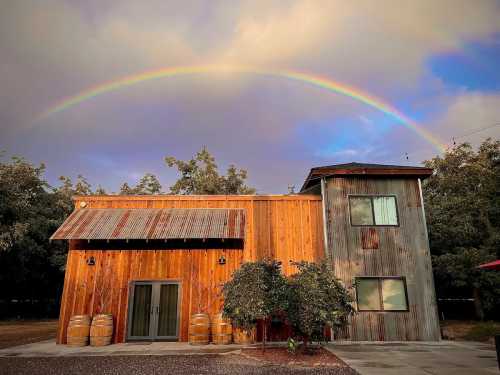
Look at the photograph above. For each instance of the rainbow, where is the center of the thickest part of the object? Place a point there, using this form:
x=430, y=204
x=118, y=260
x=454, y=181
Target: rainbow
x=314, y=80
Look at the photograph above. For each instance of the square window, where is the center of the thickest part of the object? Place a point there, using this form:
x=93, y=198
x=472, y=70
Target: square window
x=361, y=211
x=381, y=294
x=373, y=210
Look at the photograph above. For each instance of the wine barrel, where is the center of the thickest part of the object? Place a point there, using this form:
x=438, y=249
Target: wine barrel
x=222, y=330
x=199, y=329
x=243, y=336
x=78, y=330
x=101, y=330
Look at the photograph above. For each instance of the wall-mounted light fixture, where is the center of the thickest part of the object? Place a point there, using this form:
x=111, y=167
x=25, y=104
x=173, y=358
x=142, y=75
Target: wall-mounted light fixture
x=222, y=260
x=83, y=204
x=91, y=261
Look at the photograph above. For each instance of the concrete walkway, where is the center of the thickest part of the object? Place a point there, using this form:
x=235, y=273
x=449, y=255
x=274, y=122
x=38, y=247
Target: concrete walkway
x=49, y=348
x=368, y=358
x=417, y=358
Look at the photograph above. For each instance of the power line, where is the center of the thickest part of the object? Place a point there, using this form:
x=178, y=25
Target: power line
x=475, y=132
x=406, y=155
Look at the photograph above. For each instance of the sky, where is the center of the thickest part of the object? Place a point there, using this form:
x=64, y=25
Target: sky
x=437, y=63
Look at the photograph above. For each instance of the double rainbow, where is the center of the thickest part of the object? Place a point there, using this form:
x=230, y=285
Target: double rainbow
x=314, y=80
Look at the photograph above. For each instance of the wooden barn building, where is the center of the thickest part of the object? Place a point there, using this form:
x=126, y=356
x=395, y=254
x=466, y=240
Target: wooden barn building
x=153, y=261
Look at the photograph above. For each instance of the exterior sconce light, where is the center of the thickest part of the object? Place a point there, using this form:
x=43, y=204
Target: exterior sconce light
x=91, y=261
x=83, y=204
x=222, y=260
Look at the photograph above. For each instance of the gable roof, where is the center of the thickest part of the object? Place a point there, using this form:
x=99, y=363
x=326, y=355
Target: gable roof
x=363, y=169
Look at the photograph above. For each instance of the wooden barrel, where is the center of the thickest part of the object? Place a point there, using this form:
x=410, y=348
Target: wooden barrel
x=199, y=329
x=243, y=336
x=78, y=330
x=101, y=330
x=222, y=330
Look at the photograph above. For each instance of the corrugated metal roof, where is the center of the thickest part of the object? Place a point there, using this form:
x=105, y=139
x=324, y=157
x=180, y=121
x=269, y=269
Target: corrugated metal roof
x=151, y=223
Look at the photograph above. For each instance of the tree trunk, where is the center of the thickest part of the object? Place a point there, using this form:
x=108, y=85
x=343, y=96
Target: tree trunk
x=478, y=306
x=305, y=340
x=264, y=334
x=487, y=225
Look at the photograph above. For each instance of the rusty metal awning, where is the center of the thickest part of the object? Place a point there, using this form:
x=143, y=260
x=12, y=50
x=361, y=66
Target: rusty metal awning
x=150, y=223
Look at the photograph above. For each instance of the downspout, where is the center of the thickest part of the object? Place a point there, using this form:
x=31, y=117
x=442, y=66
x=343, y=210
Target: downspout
x=434, y=297
x=325, y=217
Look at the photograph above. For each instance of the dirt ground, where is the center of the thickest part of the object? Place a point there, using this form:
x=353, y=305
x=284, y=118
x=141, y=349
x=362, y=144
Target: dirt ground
x=464, y=330
x=19, y=332
x=180, y=364
x=315, y=357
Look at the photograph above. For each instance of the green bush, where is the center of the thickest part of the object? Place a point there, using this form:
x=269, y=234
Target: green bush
x=256, y=291
x=317, y=299
x=311, y=300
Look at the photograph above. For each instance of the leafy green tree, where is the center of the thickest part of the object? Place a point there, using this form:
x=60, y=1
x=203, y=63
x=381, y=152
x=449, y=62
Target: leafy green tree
x=148, y=185
x=125, y=189
x=317, y=299
x=100, y=190
x=257, y=291
x=200, y=175
x=457, y=272
x=82, y=187
x=64, y=193
x=462, y=201
x=30, y=212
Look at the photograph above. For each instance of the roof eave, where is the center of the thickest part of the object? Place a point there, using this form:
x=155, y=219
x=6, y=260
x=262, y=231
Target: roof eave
x=316, y=174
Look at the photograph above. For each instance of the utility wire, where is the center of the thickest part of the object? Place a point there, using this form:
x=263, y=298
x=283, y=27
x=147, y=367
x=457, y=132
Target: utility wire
x=406, y=155
x=475, y=131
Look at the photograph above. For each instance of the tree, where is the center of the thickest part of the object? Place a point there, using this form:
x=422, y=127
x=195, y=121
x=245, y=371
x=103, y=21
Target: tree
x=462, y=201
x=457, y=273
x=64, y=194
x=100, y=190
x=82, y=187
x=29, y=213
x=21, y=185
x=316, y=299
x=200, y=175
x=257, y=291
x=148, y=185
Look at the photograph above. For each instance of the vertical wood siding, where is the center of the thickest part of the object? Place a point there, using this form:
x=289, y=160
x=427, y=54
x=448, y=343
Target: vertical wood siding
x=286, y=228
x=384, y=251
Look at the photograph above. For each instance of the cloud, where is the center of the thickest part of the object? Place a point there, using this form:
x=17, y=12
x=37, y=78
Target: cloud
x=358, y=41
x=53, y=49
x=466, y=114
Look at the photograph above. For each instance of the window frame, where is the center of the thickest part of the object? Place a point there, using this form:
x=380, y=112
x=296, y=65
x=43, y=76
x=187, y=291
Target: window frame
x=372, y=196
x=381, y=297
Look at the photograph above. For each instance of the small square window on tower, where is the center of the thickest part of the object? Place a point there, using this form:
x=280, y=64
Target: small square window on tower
x=367, y=210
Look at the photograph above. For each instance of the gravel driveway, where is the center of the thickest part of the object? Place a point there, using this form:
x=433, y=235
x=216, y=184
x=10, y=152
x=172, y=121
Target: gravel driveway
x=123, y=365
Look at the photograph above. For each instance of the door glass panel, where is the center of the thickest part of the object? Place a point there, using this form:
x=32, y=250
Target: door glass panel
x=393, y=293
x=361, y=211
x=368, y=294
x=141, y=310
x=167, y=317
